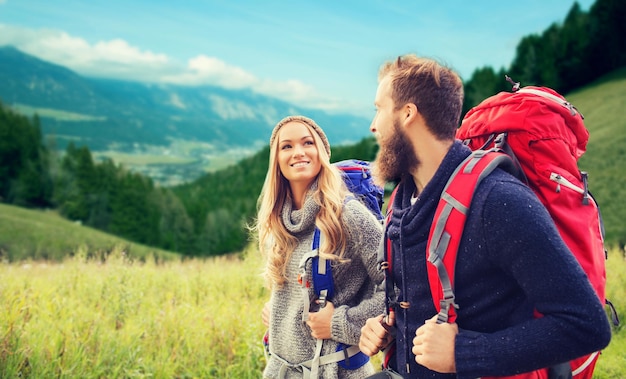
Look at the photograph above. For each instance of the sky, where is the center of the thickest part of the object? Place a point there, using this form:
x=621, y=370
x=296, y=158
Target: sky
x=321, y=54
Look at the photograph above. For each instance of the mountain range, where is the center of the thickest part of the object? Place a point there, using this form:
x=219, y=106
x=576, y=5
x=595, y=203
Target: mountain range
x=124, y=116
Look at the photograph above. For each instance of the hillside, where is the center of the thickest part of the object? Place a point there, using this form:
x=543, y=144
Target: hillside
x=162, y=131
x=103, y=113
x=603, y=104
x=32, y=234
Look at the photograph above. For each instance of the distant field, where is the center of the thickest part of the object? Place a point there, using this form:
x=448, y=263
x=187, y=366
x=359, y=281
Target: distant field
x=56, y=113
x=180, y=161
x=130, y=160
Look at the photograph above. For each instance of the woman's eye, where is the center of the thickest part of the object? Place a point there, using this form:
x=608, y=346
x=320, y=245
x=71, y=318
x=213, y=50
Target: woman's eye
x=285, y=147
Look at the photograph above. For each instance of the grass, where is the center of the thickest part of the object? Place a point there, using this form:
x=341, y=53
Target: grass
x=44, y=235
x=602, y=103
x=123, y=318
x=612, y=363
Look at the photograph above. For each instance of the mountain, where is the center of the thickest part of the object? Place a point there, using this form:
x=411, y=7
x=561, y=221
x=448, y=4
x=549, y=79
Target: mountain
x=122, y=116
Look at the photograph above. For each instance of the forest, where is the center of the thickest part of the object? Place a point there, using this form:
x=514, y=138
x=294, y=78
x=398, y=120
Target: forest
x=208, y=216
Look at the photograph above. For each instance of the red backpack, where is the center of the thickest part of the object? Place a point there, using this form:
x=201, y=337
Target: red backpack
x=539, y=137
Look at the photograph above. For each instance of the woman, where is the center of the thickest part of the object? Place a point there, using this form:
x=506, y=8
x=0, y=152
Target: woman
x=302, y=191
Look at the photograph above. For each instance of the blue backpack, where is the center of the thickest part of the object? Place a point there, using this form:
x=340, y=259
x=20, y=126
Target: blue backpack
x=358, y=178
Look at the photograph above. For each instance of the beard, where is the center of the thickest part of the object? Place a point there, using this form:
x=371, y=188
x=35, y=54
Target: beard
x=396, y=158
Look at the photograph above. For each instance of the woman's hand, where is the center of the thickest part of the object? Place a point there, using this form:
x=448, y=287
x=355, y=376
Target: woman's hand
x=319, y=322
x=265, y=314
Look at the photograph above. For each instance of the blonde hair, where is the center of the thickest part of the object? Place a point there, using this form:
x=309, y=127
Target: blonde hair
x=275, y=241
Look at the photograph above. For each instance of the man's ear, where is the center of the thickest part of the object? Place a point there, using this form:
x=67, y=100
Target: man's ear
x=410, y=112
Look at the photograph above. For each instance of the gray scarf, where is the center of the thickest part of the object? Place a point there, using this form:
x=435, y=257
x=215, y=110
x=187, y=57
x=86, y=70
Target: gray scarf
x=299, y=221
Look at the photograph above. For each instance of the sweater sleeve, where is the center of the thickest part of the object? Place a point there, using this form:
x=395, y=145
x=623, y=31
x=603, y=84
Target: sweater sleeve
x=522, y=240
x=365, y=233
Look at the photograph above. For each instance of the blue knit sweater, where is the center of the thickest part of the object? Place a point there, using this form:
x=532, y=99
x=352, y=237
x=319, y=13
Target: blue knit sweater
x=511, y=260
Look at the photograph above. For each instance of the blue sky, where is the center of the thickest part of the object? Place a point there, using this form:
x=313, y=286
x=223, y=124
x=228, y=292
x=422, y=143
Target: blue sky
x=320, y=54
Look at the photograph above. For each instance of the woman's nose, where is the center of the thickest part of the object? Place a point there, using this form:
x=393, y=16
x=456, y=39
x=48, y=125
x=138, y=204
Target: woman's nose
x=298, y=150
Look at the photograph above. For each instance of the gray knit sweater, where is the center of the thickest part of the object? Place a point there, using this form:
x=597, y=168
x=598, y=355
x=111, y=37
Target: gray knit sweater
x=355, y=297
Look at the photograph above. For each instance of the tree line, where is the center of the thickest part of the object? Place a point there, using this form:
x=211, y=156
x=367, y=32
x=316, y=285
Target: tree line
x=203, y=218
x=566, y=56
x=209, y=216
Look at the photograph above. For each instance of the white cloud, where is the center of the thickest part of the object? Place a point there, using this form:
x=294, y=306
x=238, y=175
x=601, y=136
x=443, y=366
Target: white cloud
x=117, y=59
x=114, y=58
x=209, y=70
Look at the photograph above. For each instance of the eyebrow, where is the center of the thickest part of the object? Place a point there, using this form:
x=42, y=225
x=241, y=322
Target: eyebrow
x=301, y=139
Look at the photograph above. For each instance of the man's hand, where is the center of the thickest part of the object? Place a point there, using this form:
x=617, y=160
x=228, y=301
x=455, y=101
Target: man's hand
x=376, y=334
x=319, y=322
x=433, y=346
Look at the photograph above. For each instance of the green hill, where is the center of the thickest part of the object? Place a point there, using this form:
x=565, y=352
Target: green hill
x=220, y=203
x=32, y=234
x=603, y=104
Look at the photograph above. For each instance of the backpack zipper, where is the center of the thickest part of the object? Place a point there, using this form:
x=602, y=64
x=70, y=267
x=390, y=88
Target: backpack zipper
x=561, y=181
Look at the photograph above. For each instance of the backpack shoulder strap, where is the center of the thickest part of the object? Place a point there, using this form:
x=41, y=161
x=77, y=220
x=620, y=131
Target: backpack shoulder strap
x=385, y=257
x=385, y=260
x=321, y=276
x=323, y=283
x=448, y=223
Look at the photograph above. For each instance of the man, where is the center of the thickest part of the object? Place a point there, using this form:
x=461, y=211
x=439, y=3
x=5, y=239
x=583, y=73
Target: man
x=511, y=260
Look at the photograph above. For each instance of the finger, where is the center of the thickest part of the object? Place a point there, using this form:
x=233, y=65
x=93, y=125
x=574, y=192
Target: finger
x=367, y=346
x=417, y=352
x=432, y=320
x=373, y=335
x=379, y=330
x=390, y=319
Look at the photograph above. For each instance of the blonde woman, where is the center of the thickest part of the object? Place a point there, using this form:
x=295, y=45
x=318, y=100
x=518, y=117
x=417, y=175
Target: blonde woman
x=303, y=191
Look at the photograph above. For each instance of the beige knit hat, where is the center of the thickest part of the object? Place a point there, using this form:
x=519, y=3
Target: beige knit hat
x=305, y=120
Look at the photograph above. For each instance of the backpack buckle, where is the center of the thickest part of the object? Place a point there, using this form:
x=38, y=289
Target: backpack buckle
x=323, y=298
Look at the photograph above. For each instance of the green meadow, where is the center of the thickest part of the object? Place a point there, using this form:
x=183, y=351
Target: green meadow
x=113, y=309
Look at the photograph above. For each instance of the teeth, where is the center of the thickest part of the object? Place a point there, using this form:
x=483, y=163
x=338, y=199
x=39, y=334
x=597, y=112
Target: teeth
x=300, y=164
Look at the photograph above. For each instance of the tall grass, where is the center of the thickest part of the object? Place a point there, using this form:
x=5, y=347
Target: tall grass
x=612, y=362
x=124, y=319
x=84, y=318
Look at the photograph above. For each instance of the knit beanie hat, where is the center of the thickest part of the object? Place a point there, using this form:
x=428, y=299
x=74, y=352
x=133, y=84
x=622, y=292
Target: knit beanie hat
x=306, y=121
